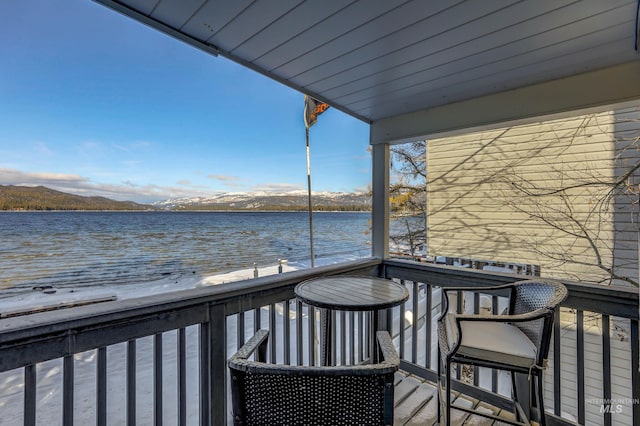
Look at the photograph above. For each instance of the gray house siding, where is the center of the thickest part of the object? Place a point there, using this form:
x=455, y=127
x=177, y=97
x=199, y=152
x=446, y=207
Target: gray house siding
x=537, y=194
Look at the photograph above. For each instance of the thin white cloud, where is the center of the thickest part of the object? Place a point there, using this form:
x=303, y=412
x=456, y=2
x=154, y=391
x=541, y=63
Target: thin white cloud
x=277, y=187
x=231, y=182
x=188, y=184
x=17, y=177
x=41, y=149
x=91, y=145
x=79, y=185
x=141, y=144
x=237, y=183
x=131, y=146
x=223, y=178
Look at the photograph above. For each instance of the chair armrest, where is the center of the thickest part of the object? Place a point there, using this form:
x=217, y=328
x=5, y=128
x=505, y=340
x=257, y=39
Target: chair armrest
x=240, y=361
x=527, y=316
x=389, y=353
x=258, y=341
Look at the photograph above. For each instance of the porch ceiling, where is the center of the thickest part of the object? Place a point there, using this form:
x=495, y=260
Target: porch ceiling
x=386, y=61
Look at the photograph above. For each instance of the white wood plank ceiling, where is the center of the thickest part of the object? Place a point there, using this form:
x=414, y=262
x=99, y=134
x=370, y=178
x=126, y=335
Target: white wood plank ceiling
x=377, y=59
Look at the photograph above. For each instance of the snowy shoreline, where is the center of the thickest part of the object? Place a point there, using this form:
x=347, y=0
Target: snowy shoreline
x=50, y=298
x=59, y=297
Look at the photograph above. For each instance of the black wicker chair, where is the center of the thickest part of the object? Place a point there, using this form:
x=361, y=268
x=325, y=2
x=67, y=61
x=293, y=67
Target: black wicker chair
x=270, y=394
x=517, y=342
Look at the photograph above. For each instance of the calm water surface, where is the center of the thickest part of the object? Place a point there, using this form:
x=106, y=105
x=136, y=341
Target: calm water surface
x=106, y=248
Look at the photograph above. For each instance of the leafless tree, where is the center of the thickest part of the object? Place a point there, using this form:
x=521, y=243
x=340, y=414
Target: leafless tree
x=553, y=204
x=408, y=195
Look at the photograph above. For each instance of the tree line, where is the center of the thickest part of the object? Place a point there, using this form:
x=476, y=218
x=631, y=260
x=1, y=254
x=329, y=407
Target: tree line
x=44, y=199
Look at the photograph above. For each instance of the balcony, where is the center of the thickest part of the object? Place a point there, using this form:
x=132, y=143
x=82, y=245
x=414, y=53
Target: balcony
x=162, y=359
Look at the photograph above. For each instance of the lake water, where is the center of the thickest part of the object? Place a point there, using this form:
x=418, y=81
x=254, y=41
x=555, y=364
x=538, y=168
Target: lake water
x=66, y=249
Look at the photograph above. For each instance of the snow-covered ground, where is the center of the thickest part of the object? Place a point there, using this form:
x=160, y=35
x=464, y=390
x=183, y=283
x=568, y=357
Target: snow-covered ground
x=52, y=298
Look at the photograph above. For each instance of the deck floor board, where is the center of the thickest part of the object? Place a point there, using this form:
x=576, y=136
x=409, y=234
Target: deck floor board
x=413, y=403
x=416, y=404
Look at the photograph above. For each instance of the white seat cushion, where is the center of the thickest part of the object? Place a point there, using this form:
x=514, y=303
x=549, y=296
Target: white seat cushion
x=492, y=341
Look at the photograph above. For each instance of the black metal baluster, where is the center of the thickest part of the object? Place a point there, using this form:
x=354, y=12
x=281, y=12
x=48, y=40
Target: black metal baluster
x=476, y=310
x=556, y=363
x=361, y=337
x=403, y=313
x=30, y=395
x=67, y=391
x=286, y=317
x=414, y=326
x=352, y=340
x=606, y=368
x=272, y=335
x=204, y=374
x=182, y=377
x=635, y=372
x=101, y=387
x=218, y=365
x=299, y=338
x=131, y=382
x=332, y=336
x=459, y=300
x=240, y=329
x=580, y=364
x=494, y=372
x=311, y=334
x=257, y=319
x=343, y=338
x=157, y=379
x=428, y=289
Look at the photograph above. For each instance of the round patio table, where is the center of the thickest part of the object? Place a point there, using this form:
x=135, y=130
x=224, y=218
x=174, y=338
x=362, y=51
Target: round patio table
x=347, y=293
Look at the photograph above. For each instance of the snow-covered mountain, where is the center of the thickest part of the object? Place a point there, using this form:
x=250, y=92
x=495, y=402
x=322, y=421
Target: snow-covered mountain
x=290, y=200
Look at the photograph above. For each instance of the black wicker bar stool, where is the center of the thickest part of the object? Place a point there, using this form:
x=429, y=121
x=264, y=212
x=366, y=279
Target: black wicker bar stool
x=517, y=342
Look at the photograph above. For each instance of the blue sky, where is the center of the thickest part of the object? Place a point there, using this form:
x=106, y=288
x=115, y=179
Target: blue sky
x=94, y=103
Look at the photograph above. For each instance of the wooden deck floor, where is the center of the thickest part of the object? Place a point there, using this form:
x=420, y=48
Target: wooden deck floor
x=416, y=404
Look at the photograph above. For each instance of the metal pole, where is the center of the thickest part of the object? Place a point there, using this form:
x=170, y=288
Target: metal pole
x=309, y=197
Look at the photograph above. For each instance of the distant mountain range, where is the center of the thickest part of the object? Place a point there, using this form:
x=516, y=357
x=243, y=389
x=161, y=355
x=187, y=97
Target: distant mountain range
x=42, y=198
x=288, y=201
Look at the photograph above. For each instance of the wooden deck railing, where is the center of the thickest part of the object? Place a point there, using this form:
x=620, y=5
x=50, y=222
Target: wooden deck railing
x=164, y=357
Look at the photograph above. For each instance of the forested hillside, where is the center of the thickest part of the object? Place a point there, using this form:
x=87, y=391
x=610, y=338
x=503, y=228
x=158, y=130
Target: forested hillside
x=42, y=198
